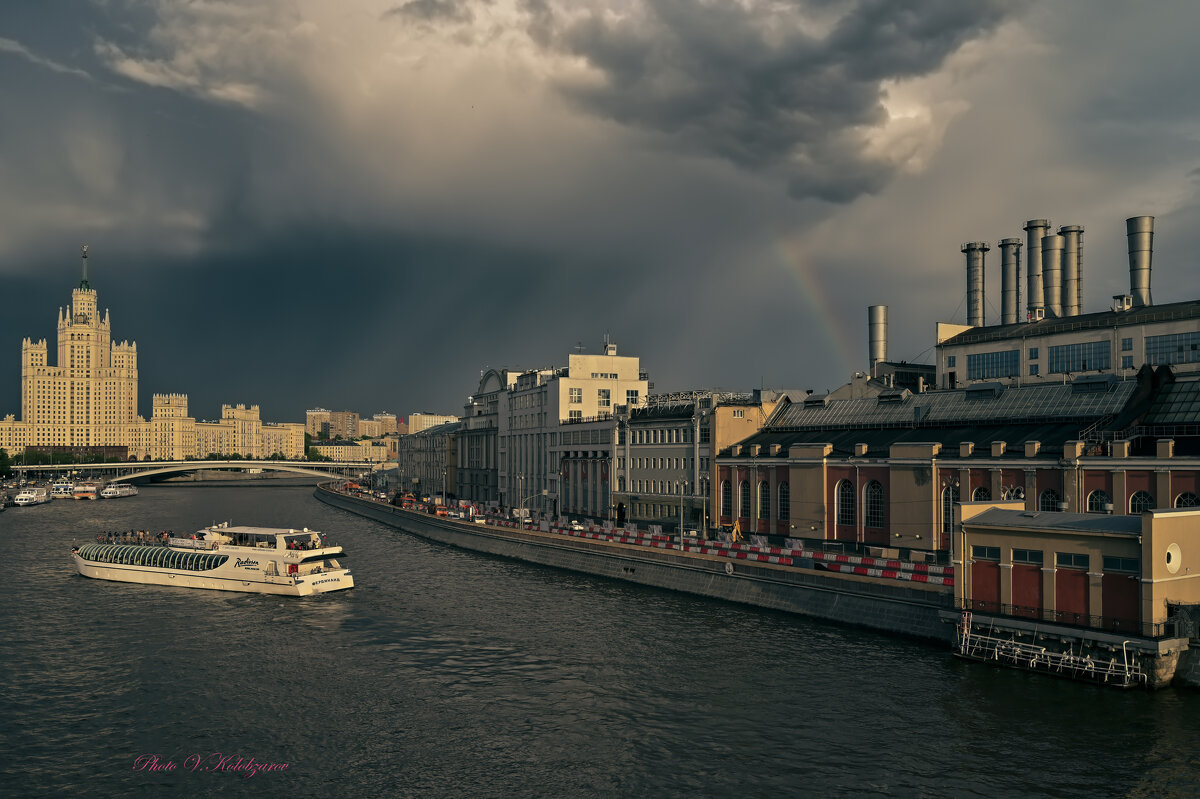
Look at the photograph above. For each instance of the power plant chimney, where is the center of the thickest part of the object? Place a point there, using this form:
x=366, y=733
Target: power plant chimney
x=877, y=335
x=1072, y=269
x=974, y=251
x=1035, y=229
x=1140, y=231
x=1010, y=281
x=1052, y=246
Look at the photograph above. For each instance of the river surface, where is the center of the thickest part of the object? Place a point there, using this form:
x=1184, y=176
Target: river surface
x=453, y=674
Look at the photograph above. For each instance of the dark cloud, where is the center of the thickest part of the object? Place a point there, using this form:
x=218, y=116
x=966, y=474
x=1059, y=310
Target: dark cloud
x=434, y=11
x=757, y=87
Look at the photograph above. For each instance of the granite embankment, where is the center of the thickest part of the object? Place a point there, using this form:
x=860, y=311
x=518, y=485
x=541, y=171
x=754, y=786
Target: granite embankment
x=887, y=605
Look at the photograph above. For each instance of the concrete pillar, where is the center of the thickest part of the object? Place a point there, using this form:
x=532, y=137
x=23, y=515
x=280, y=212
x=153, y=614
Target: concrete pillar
x=1048, y=603
x=1031, y=500
x=996, y=483
x=1120, y=492
x=1006, y=569
x=1163, y=498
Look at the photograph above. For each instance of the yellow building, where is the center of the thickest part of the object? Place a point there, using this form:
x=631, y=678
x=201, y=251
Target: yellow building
x=87, y=401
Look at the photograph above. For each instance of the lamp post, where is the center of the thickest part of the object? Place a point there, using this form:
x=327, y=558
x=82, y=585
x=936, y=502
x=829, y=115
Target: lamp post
x=682, y=493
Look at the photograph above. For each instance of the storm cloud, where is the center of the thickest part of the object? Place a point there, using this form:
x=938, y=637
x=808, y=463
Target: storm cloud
x=415, y=190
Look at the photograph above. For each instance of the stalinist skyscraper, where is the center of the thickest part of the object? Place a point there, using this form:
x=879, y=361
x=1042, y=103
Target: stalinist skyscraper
x=89, y=399
x=87, y=403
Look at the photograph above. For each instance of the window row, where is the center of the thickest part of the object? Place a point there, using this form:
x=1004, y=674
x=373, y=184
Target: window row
x=783, y=496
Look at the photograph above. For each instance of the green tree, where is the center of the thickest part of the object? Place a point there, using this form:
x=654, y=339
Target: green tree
x=5, y=464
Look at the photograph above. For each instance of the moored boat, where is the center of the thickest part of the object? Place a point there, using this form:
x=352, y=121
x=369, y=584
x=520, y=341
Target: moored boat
x=63, y=489
x=263, y=560
x=86, y=491
x=34, y=495
x=118, y=490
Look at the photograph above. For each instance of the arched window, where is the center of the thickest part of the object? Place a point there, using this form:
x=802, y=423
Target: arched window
x=1187, y=500
x=744, y=492
x=726, y=498
x=1048, y=500
x=1140, y=502
x=981, y=494
x=949, y=500
x=785, y=502
x=873, y=504
x=845, y=503
x=764, y=500
x=1099, y=502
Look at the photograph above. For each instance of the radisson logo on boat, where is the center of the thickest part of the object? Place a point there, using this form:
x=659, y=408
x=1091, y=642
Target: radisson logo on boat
x=249, y=564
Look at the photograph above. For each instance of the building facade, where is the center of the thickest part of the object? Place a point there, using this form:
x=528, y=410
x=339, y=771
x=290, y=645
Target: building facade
x=478, y=441
x=532, y=409
x=890, y=471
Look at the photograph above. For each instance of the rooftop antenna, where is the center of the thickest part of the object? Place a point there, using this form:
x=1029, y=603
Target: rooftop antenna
x=579, y=347
x=83, y=284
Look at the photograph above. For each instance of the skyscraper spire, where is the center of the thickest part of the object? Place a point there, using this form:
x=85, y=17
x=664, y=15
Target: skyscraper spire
x=83, y=284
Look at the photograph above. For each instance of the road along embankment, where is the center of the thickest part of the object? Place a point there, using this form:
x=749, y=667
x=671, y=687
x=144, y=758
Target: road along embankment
x=905, y=608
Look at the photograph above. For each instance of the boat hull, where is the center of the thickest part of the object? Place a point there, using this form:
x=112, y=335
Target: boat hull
x=223, y=579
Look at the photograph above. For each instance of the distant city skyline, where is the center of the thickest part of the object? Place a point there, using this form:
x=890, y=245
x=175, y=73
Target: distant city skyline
x=364, y=208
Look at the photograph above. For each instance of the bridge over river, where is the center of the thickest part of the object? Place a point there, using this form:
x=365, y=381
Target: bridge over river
x=118, y=472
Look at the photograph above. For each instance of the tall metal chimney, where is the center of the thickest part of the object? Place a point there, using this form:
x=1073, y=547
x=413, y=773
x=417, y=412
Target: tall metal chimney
x=1010, y=281
x=1072, y=269
x=1034, y=293
x=975, y=251
x=876, y=335
x=1052, y=246
x=1140, y=231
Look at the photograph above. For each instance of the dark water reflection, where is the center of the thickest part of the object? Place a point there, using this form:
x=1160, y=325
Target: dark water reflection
x=448, y=674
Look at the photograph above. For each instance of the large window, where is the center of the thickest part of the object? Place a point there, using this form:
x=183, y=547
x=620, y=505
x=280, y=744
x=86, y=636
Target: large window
x=726, y=498
x=1140, y=502
x=949, y=500
x=744, y=496
x=604, y=397
x=981, y=494
x=576, y=396
x=845, y=503
x=1173, y=348
x=1187, y=500
x=1048, y=500
x=631, y=396
x=993, y=364
x=1084, y=357
x=1099, y=502
x=873, y=504
x=785, y=502
x=764, y=500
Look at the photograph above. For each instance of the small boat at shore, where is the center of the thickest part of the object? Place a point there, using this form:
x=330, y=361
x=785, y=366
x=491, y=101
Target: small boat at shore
x=62, y=490
x=118, y=490
x=34, y=495
x=264, y=560
x=86, y=491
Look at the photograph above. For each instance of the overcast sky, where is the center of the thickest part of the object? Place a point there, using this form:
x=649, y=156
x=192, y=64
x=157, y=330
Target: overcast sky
x=361, y=205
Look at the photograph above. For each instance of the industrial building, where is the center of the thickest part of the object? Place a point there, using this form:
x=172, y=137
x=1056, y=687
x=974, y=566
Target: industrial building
x=1056, y=341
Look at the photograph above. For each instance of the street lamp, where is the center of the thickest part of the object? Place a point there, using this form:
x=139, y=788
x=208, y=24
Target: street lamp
x=681, y=494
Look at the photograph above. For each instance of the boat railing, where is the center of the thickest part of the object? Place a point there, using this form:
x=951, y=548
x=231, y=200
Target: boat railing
x=192, y=543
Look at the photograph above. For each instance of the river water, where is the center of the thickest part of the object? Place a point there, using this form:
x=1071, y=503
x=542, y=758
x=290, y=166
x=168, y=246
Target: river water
x=452, y=674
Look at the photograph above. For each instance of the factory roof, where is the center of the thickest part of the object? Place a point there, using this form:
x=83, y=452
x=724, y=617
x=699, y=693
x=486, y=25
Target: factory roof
x=1084, y=399
x=1169, y=312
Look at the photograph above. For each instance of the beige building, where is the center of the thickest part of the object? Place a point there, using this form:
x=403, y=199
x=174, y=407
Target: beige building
x=530, y=414
x=322, y=423
x=423, y=421
x=87, y=401
x=373, y=451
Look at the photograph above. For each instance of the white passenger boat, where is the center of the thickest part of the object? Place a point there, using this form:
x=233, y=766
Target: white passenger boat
x=118, y=490
x=62, y=490
x=35, y=495
x=86, y=491
x=263, y=560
